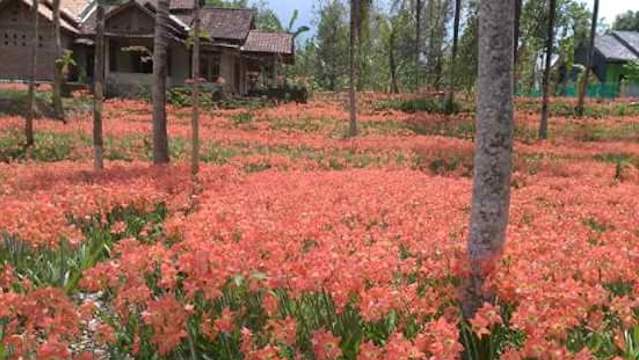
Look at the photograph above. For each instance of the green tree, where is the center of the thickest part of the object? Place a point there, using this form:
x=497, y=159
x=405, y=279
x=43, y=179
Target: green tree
x=332, y=46
x=627, y=21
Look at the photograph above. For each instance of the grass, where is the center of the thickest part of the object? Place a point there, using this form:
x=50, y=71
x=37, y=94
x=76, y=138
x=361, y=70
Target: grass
x=49, y=147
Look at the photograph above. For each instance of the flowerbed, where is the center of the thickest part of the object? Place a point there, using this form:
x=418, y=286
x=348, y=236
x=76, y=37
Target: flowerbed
x=294, y=244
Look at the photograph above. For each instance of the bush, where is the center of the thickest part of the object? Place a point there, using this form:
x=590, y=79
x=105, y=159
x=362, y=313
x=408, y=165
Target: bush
x=297, y=94
x=181, y=96
x=430, y=105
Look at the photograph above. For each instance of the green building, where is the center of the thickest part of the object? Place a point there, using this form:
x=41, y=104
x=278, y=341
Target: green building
x=612, y=52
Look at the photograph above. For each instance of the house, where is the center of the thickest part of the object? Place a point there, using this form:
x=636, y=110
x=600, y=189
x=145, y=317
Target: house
x=234, y=53
x=611, y=53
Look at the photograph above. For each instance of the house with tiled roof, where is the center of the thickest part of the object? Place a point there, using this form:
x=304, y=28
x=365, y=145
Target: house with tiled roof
x=611, y=53
x=233, y=52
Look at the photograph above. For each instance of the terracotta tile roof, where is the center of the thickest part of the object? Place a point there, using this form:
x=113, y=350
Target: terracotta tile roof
x=226, y=23
x=268, y=42
x=46, y=11
x=74, y=7
x=182, y=4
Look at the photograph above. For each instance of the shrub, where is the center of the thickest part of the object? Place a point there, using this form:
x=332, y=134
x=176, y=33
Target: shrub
x=429, y=105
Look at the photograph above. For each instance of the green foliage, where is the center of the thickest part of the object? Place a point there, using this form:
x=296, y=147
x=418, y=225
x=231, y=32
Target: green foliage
x=627, y=21
x=631, y=69
x=62, y=266
x=428, y=105
x=181, y=96
x=49, y=147
x=332, y=46
x=243, y=118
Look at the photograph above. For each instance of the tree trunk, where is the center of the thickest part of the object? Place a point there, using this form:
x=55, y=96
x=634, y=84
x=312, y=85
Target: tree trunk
x=58, y=66
x=160, y=45
x=28, y=131
x=451, y=90
x=543, y=125
x=583, y=88
x=392, y=63
x=493, y=148
x=418, y=38
x=518, y=5
x=98, y=93
x=195, y=100
x=352, y=92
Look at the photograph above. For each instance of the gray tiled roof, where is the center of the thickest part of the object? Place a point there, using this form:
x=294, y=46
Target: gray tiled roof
x=613, y=49
x=630, y=39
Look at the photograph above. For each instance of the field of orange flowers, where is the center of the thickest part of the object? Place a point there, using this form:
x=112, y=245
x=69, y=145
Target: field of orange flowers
x=299, y=243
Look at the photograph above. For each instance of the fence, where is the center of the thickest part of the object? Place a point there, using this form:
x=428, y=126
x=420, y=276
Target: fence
x=601, y=91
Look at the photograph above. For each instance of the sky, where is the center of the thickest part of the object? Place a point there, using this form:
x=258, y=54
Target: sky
x=608, y=9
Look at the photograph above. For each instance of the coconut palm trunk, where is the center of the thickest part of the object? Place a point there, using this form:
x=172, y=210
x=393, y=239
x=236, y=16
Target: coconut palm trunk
x=518, y=5
x=493, y=148
x=450, y=104
x=354, y=61
x=98, y=93
x=58, y=77
x=550, y=40
x=160, y=46
x=419, y=5
x=392, y=62
x=583, y=86
x=28, y=130
x=195, y=93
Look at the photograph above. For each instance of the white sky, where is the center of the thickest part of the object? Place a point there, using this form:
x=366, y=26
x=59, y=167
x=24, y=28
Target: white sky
x=609, y=9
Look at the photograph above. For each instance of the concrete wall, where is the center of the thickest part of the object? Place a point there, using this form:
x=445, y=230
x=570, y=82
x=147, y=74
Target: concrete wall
x=180, y=64
x=16, y=39
x=228, y=61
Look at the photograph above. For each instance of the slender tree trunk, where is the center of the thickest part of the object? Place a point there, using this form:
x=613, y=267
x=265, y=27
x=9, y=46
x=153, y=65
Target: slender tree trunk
x=160, y=45
x=583, y=88
x=195, y=100
x=518, y=5
x=392, y=63
x=352, y=91
x=543, y=125
x=493, y=148
x=98, y=93
x=58, y=66
x=453, y=61
x=28, y=131
x=418, y=39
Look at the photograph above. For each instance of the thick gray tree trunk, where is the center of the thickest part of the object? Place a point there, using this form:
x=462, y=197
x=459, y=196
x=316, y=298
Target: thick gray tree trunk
x=450, y=104
x=98, y=92
x=354, y=61
x=493, y=148
x=58, y=66
x=583, y=88
x=550, y=40
x=28, y=129
x=160, y=45
x=195, y=92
